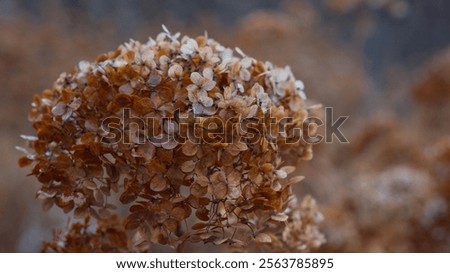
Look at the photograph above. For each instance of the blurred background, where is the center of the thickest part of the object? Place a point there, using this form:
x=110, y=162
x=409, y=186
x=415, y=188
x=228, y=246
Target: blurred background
x=383, y=63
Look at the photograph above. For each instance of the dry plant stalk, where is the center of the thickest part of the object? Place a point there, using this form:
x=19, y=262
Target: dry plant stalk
x=230, y=190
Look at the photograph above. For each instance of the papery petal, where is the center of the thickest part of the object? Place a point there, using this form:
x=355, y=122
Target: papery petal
x=209, y=85
x=196, y=78
x=208, y=73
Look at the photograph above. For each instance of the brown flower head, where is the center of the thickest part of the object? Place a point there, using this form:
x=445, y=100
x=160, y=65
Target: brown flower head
x=185, y=131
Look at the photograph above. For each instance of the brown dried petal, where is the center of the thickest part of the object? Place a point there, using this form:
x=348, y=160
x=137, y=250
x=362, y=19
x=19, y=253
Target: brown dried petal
x=166, y=206
x=220, y=241
x=197, y=190
x=234, y=192
x=234, y=178
x=288, y=169
x=281, y=174
x=88, y=184
x=132, y=223
x=188, y=166
x=199, y=226
x=158, y=183
x=68, y=206
x=47, y=204
x=171, y=225
x=263, y=238
x=250, y=112
x=24, y=161
x=80, y=212
x=143, y=106
x=99, y=197
x=218, y=177
x=267, y=167
x=170, y=144
x=253, y=173
x=202, y=214
x=279, y=217
x=220, y=190
x=94, y=213
x=127, y=197
x=294, y=180
x=203, y=181
x=59, y=109
x=189, y=148
x=276, y=186
x=242, y=146
x=146, y=150
x=203, y=201
x=178, y=213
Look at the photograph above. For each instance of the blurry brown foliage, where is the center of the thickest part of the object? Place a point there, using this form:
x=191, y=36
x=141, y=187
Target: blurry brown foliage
x=388, y=190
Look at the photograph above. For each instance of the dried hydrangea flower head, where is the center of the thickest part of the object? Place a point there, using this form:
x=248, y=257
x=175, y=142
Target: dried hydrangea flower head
x=187, y=132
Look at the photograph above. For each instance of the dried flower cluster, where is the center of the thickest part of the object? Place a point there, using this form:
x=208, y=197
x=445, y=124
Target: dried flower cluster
x=109, y=236
x=228, y=186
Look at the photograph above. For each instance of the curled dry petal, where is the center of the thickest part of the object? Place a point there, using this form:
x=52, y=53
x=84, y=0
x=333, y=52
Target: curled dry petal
x=279, y=217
